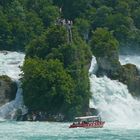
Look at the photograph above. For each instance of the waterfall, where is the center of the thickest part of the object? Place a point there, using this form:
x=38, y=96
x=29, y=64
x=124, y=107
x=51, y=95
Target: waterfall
x=10, y=63
x=112, y=98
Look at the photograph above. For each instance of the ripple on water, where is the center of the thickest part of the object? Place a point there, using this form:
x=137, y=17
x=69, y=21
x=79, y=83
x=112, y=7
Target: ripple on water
x=60, y=131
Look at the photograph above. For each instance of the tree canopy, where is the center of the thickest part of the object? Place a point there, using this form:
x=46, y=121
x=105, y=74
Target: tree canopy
x=58, y=73
x=58, y=37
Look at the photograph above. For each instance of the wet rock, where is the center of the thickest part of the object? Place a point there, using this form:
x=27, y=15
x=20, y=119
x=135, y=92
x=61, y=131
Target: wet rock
x=130, y=76
x=8, y=89
x=110, y=66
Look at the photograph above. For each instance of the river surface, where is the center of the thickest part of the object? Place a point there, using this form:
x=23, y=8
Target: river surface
x=60, y=131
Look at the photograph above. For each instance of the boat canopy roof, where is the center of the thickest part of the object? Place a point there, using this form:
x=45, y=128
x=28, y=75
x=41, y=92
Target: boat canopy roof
x=87, y=117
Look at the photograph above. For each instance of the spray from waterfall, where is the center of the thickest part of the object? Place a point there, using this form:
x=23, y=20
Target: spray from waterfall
x=112, y=98
x=9, y=65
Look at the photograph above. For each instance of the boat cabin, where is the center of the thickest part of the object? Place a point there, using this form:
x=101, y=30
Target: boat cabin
x=88, y=119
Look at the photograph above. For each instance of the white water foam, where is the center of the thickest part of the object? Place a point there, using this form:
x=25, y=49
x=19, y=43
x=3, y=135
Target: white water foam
x=10, y=63
x=113, y=99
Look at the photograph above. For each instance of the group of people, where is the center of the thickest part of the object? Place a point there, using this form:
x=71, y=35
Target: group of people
x=68, y=24
x=64, y=22
x=36, y=116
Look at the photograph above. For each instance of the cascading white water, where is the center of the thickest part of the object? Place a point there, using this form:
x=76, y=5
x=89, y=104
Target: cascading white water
x=112, y=98
x=9, y=65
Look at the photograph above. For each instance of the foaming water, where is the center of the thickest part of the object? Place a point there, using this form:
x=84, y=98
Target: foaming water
x=60, y=131
x=10, y=63
x=114, y=102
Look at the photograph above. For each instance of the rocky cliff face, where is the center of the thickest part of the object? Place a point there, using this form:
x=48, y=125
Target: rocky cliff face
x=8, y=90
x=130, y=76
x=110, y=66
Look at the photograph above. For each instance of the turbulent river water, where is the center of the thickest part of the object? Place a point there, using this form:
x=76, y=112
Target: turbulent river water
x=60, y=131
x=117, y=107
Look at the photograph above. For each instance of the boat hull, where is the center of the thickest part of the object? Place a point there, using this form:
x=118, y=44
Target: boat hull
x=88, y=125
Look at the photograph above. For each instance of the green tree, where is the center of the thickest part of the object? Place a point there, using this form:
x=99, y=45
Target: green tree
x=5, y=3
x=15, y=10
x=75, y=58
x=74, y=8
x=34, y=25
x=120, y=25
x=83, y=27
x=101, y=16
x=54, y=37
x=5, y=38
x=103, y=43
x=122, y=7
x=47, y=86
x=136, y=17
x=45, y=9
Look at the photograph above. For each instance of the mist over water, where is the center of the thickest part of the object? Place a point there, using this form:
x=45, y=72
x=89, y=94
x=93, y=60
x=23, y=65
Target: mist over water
x=112, y=98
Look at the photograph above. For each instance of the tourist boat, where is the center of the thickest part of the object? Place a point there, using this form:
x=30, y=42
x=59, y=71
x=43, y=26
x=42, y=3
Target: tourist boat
x=88, y=122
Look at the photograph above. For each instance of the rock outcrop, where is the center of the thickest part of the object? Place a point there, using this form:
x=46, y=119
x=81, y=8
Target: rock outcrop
x=131, y=77
x=128, y=74
x=109, y=66
x=8, y=89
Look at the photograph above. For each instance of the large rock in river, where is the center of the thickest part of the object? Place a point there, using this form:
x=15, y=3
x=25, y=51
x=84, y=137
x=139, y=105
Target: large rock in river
x=128, y=74
x=131, y=77
x=8, y=89
x=109, y=65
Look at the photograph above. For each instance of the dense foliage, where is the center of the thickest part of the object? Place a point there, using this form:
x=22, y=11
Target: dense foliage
x=22, y=21
x=55, y=71
x=121, y=17
x=47, y=86
x=103, y=43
